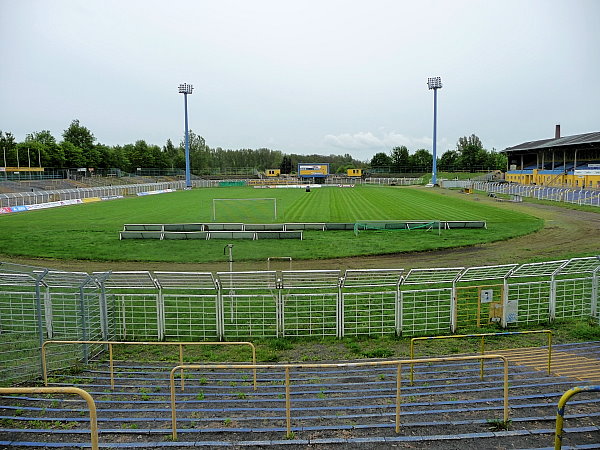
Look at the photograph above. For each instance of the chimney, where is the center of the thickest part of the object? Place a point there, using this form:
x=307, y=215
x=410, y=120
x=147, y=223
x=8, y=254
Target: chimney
x=557, y=132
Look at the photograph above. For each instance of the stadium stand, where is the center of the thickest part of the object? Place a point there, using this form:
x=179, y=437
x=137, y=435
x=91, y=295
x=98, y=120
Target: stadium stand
x=447, y=407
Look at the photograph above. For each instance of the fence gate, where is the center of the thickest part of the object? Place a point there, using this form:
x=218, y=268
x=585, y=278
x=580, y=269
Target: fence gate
x=477, y=306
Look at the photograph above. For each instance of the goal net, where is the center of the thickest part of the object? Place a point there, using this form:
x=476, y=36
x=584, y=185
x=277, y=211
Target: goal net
x=245, y=210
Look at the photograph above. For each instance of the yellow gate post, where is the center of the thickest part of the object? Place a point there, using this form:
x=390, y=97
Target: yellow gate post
x=65, y=390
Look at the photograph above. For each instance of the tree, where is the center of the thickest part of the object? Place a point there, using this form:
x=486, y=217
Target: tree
x=105, y=157
x=120, y=159
x=44, y=137
x=174, y=156
x=79, y=136
x=286, y=165
x=381, y=160
x=449, y=161
x=421, y=160
x=497, y=161
x=399, y=159
x=8, y=149
x=74, y=156
x=31, y=154
x=470, y=152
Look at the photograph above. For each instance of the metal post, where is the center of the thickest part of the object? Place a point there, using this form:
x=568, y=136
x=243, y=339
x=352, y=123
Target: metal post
x=434, y=83
x=434, y=170
x=288, y=418
x=38, y=304
x=398, y=397
x=84, y=331
x=188, y=182
x=186, y=89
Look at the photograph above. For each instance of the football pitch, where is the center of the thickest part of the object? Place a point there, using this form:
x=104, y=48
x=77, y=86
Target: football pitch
x=91, y=231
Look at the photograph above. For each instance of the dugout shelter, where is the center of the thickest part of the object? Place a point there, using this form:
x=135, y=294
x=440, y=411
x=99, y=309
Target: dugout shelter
x=572, y=161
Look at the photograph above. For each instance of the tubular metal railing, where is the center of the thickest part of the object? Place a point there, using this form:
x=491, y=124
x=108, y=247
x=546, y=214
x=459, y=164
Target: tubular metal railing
x=110, y=345
x=560, y=413
x=287, y=367
x=482, y=345
x=91, y=404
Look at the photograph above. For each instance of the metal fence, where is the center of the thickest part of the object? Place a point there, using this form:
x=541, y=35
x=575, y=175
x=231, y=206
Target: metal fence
x=47, y=196
x=588, y=197
x=38, y=304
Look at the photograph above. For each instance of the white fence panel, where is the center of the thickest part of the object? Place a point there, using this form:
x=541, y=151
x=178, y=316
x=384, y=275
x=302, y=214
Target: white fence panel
x=136, y=316
x=190, y=317
x=425, y=311
x=574, y=298
x=369, y=313
x=530, y=300
x=310, y=314
x=249, y=315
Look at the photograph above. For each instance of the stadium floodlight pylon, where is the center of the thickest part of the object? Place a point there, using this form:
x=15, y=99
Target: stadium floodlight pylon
x=186, y=89
x=434, y=83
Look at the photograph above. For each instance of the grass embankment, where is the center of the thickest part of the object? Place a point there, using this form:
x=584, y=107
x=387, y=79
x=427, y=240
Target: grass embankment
x=295, y=350
x=91, y=231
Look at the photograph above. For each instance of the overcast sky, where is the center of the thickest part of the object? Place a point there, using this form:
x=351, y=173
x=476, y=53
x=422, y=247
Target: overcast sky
x=302, y=76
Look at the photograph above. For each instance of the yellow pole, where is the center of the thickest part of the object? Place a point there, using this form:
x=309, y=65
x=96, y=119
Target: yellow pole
x=288, y=414
x=560, y=412
x=181, y=364
x=479, y=307
x=44, y=367
x=91, y=404
x=505, y=362
x=398, y=398
x=549, y=350
x=253, y=361
x=173, y=411
x=412, y=356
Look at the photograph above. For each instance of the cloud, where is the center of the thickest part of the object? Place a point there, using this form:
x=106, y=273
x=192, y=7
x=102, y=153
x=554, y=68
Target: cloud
x=369, y=141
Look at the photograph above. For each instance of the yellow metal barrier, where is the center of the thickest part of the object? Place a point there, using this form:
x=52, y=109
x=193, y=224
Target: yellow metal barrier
x=287, y=368
x=482, y=336
x=560, y=413
x=64, y=390
x=110, y=353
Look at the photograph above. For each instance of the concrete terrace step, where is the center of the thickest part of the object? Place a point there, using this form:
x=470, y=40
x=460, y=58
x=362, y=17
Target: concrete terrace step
x=447, y=407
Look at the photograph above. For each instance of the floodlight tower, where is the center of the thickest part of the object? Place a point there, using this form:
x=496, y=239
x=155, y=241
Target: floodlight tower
x=434, y=83
x=186, y=89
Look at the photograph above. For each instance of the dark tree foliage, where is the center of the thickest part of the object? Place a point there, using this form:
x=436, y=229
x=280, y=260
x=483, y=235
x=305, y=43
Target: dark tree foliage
x=381, y=160
x=400, y=159
x=79, y=149
x=286, y=165
x=79, y=136
x=469, y=156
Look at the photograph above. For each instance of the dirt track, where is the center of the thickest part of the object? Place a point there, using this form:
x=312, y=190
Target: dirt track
x=566, y=233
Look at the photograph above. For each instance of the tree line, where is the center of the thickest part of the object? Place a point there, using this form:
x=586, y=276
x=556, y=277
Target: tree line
x=80, y=149
x=469, y=156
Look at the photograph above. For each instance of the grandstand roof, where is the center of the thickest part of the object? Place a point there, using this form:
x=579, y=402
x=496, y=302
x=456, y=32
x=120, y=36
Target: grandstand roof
x=577, y=139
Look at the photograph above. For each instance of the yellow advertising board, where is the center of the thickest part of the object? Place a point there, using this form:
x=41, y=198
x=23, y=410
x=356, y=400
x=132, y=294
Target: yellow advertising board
x=313, y=170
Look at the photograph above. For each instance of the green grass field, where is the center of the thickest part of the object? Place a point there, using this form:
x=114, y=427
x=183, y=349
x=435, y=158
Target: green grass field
x=91, y=231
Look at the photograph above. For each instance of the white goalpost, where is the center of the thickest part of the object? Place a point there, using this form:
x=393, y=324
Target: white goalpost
x=247, y=210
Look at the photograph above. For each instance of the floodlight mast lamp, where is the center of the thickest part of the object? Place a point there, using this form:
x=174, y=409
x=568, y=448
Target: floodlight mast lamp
x=186, y=89
x=434, y=83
